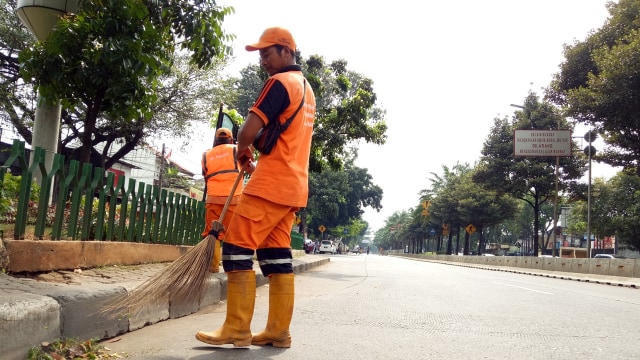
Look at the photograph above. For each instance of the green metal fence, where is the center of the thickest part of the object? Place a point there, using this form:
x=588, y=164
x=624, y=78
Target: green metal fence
x=89, y=206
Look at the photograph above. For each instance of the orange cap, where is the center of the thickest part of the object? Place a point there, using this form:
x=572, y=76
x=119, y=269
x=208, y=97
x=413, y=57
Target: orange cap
x=224, y=133
x=273, y=36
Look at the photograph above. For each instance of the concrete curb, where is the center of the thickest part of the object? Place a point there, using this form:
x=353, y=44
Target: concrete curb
x=32, y=311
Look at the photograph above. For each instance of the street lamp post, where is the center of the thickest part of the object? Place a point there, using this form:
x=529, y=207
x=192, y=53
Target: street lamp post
x=589, y=151
x=40, y=17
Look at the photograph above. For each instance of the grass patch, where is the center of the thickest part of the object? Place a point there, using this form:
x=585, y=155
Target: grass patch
x=70, y=349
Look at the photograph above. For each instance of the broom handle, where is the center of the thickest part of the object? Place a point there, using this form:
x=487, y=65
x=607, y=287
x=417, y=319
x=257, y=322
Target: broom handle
x=233, y=190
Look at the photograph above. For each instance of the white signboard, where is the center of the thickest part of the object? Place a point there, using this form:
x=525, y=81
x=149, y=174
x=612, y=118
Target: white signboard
x=542, y=143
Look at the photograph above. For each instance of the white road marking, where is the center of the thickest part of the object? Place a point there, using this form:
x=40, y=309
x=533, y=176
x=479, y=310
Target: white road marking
x=524, y=288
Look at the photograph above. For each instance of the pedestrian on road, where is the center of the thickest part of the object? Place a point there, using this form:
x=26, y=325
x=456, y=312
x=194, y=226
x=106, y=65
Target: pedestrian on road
x=280, y=125
x=220, y=170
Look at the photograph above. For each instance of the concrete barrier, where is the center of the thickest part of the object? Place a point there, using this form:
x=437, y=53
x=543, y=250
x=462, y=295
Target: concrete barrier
x=564, y=264
x=622, y=267
x=549, y=264
x=536, y=263
x=599, y=266
x=610, y=267
x=580, y=265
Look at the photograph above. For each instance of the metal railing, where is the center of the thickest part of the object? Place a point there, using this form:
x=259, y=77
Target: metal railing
x=90, y=205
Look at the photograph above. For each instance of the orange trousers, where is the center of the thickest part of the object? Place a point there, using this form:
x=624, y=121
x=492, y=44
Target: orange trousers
x=213, y=212
x=258, y=223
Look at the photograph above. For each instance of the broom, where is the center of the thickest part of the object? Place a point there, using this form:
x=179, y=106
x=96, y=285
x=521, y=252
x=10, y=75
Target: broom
x=183, y=281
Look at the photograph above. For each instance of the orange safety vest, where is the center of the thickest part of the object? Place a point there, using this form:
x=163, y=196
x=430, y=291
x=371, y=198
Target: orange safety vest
x=220, y=170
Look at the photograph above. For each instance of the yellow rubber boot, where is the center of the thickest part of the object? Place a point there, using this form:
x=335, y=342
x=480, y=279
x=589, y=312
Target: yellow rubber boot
x=217, y=255
x=281, y=293
x=241, y=297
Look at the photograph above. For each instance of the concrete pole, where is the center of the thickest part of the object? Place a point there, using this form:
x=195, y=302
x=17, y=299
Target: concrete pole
x=46, y=134
x=40, y=17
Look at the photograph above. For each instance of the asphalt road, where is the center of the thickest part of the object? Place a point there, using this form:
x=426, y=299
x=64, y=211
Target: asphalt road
x=381, y=307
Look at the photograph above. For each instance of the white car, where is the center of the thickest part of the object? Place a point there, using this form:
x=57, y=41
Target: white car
x=327, y=246
x=606, y=256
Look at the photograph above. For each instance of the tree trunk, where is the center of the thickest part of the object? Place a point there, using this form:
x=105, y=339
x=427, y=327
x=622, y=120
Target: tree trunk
x=466, y=243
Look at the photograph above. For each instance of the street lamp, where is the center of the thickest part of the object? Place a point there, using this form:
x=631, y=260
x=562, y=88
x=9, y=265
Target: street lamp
x=590, y=136
x=40, y=16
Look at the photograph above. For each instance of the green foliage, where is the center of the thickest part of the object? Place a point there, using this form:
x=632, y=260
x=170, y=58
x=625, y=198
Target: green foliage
x=346, y=108
x=530, y=179
x=599, y=83
x=69, y=349
x=346, y=111
x=337, y=199
x=174, y=180
x=107, y=63
x=109, y=55
x=9, y=195
x=615, y=210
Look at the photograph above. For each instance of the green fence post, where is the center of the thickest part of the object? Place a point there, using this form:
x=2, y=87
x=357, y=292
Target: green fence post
x=200, y=219
x=147, y=211
x=124, y=209
x=133, y=214
x=171, y=202
x=76, y=199
x=102, y=207
x=157, y=215
x=25, y=192
x=113, y=203
x=139, y=212
x=17, y=154
x=63, y=195
x=193, y=227
x=87, y=216
x=45, y=190
x=164, y=205
x=180, y=219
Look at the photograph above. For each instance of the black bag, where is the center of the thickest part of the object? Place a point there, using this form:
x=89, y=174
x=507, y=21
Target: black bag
x=267, y=137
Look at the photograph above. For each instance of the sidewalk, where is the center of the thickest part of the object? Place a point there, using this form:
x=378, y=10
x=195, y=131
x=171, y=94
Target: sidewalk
x=65, y=304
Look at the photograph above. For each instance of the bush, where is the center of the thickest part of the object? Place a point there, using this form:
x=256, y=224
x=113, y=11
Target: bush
x=9, y=194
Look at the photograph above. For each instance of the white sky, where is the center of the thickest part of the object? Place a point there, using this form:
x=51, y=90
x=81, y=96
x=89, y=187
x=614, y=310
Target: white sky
x=443, y=70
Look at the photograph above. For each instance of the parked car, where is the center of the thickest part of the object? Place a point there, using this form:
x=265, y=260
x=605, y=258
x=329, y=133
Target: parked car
x=606, y=256
x=327, y=246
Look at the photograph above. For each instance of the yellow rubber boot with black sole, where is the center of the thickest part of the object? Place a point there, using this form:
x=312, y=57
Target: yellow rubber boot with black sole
x=241, y=297
x=281, y=293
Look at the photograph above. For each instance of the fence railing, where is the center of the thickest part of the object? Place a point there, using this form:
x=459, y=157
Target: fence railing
x=91, y=205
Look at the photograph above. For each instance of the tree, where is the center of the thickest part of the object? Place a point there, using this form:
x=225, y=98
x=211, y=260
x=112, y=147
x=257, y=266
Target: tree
x=337, y=198
x=16, y=96
x=615, y=210
x=599, y=83
x=107, y=59
x=530, y=179
x=444, y=203
x=346, y=109
x=481, y=207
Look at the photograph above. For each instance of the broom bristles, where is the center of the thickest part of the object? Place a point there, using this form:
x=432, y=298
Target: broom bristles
x=183, y=281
